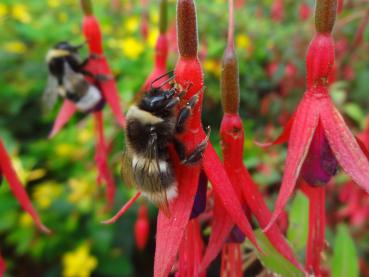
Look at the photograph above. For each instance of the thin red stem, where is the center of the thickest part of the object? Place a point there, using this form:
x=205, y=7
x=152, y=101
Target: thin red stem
x=123, y=209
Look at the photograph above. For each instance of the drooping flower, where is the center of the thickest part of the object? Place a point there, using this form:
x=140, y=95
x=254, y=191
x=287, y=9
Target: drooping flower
x=318, y=137
x=232, y=141
x=98, y=66
x=277, y=10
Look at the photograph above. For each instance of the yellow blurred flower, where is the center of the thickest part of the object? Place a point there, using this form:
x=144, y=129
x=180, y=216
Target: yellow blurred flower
x=82, y=192
x=131, y=24
x=25, y=220
x=131, y=47
x=46, y=193
x=53, y=3
x=212, y=66
x=154, y=16
x=85, y=135
x=243, y=41
x=20, y=13
x=3, y=10
x=62, y=17
x=153, y=36
x=15, y=47
x=36, y=174
x=69, y=151
x=79, y=263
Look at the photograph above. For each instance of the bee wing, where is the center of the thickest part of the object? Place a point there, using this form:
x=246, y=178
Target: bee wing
x=50, y=94
x=74, y=82
x=126, y=169
x=152, y=180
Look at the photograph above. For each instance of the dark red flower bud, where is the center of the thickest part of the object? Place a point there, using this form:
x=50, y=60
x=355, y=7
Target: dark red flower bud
x=142, y=227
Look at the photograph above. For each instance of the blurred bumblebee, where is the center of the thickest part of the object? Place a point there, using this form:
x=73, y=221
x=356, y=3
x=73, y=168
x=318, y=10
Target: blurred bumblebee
x=67, y=78
x=152, y=124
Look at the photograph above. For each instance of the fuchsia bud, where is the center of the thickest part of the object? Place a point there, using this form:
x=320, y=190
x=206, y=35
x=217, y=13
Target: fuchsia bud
x=277, y=10
x=304, y=11
x=142, y=227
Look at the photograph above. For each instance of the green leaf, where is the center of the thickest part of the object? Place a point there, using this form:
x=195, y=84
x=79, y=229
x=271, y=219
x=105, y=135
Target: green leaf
x=345, y=260
x=274, y=261
x=297, y=232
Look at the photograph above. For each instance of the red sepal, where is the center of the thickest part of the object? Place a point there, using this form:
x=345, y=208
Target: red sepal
x=190, y=251
x=302, y=132
x=223, y=188
x=65, y=113
x=17, y=188
x=344, y=145
x=231, y=261
x=282, y=138
x=2, y=266
x=221, y=227
x=170, y=230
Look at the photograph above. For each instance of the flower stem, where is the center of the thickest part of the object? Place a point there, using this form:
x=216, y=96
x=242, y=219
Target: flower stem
x=87, y=7
x=230, y=80
x=325, y=15
x=163, y=17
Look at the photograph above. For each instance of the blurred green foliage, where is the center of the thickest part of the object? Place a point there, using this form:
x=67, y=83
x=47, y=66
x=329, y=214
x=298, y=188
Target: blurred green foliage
x=60, y=173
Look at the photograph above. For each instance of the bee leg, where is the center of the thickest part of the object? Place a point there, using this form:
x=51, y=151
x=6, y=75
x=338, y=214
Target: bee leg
x=172, y=103
x=196, y=155
x=185, y=113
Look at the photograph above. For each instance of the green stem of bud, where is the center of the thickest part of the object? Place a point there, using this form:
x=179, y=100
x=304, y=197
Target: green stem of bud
x=187, y=28
x=325, y=15
x=163, y=17
x=87, y=7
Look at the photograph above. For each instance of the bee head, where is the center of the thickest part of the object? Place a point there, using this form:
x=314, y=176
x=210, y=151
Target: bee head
x=64, y=45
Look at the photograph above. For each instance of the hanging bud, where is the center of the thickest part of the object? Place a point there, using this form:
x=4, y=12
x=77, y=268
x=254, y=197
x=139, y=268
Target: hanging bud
x=142, y=227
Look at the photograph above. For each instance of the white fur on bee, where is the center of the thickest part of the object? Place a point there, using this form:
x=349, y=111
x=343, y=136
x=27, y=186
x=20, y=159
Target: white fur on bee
x=144, y=117
x=89, y=100
x=56, y=53
x=158, y=197
x=151, y=167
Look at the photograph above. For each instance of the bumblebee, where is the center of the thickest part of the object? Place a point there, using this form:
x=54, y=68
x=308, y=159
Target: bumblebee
x=67, y=78
x=152, y=125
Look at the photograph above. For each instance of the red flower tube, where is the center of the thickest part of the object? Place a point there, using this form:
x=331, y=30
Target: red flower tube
x=2, y=266
x=232, y=141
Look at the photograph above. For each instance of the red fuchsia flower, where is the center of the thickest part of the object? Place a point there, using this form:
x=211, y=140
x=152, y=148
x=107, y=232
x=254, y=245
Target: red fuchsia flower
x=304, y=11
x=142, y=227
x=277, y=11
x=232, y=141
x=7, y=171
x=356, y=209
x=98, y=66
x=161, y=53
x=318, y=138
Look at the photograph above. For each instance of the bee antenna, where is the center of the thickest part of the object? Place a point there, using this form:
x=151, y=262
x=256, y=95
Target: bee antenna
x=165, y=82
